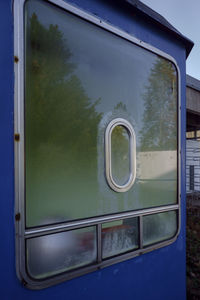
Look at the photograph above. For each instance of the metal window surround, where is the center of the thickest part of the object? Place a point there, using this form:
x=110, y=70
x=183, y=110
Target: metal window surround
x=132, y=153
x=21, y=233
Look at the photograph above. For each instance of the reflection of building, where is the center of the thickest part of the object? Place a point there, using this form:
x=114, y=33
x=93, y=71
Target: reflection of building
x=193, y=135
x=151, y=161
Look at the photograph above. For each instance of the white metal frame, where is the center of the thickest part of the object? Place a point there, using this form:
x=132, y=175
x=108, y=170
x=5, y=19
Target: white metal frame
x=21, y=233
x=132, y=155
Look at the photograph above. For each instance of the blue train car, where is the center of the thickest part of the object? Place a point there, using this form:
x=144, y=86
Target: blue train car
x=92, y=151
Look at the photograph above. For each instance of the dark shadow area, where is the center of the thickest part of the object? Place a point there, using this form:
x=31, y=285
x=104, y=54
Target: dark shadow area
x=193, y=246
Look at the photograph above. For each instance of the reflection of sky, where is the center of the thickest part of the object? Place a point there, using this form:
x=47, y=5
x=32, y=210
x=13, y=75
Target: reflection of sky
x=108, y=67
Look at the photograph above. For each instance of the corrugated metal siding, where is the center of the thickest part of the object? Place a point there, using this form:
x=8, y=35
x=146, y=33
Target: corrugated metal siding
x=193, y=159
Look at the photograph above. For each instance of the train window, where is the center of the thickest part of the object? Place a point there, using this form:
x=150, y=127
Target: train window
x=119, y=237
x=60, y=252
x=98, y=157
x=120, y=155
x=158, y=227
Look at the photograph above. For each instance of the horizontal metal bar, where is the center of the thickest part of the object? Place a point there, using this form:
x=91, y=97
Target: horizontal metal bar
x=39, y=231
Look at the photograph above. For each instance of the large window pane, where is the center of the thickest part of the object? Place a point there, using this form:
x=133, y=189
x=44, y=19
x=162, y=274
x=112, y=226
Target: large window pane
x=78, y=78
x=56, y=253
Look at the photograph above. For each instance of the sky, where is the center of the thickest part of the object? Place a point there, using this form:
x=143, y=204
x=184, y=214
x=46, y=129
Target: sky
x=184, y=15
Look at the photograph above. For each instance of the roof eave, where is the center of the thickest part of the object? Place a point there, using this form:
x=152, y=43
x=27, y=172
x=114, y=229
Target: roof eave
x=160, y=21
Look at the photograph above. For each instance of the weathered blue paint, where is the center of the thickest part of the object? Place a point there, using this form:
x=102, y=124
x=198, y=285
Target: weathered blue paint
x=156, y=275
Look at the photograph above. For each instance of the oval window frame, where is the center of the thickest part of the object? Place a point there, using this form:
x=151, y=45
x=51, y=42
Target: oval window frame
x=108, y=156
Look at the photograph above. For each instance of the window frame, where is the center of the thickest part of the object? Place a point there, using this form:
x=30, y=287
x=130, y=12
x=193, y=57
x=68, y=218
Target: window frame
x=21, y=232
x=132, y=155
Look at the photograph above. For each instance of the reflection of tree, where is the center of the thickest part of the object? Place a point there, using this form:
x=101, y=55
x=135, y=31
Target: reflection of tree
x=57, y=111
x=160, y=101
x=120, y=107
x=61, y=121
x=120, y=154
x=120, y=147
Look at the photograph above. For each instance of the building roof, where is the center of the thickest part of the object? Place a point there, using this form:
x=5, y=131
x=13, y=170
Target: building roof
x=146, y=11
x=193, y=82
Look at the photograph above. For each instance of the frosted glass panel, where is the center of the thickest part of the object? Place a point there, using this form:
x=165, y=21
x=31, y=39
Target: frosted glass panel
x=119, y=236
x=159, y=227
x=56, y=253
x=120, y=160
x=79, y=77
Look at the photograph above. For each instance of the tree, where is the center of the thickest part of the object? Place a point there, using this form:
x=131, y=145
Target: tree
x=159, y=130
x=61, y=122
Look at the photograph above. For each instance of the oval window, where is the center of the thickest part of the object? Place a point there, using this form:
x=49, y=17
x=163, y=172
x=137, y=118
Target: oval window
x=120, y=155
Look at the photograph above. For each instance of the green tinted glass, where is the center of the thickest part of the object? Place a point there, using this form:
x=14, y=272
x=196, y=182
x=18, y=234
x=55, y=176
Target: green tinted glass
x=120, y=160
x=159, y=227
x=78, y=78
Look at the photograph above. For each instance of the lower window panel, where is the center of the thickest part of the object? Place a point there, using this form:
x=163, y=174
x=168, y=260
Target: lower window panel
x=119, y=237
x=159, y=227
x=57, y=253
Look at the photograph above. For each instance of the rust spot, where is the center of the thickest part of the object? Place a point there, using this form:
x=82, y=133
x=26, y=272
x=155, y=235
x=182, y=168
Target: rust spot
x=17, y=217
x=24, y=282
x=17, y=137
x=16, y=59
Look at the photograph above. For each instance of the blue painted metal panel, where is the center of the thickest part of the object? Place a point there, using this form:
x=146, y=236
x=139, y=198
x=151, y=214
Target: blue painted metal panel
x=156, y=275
